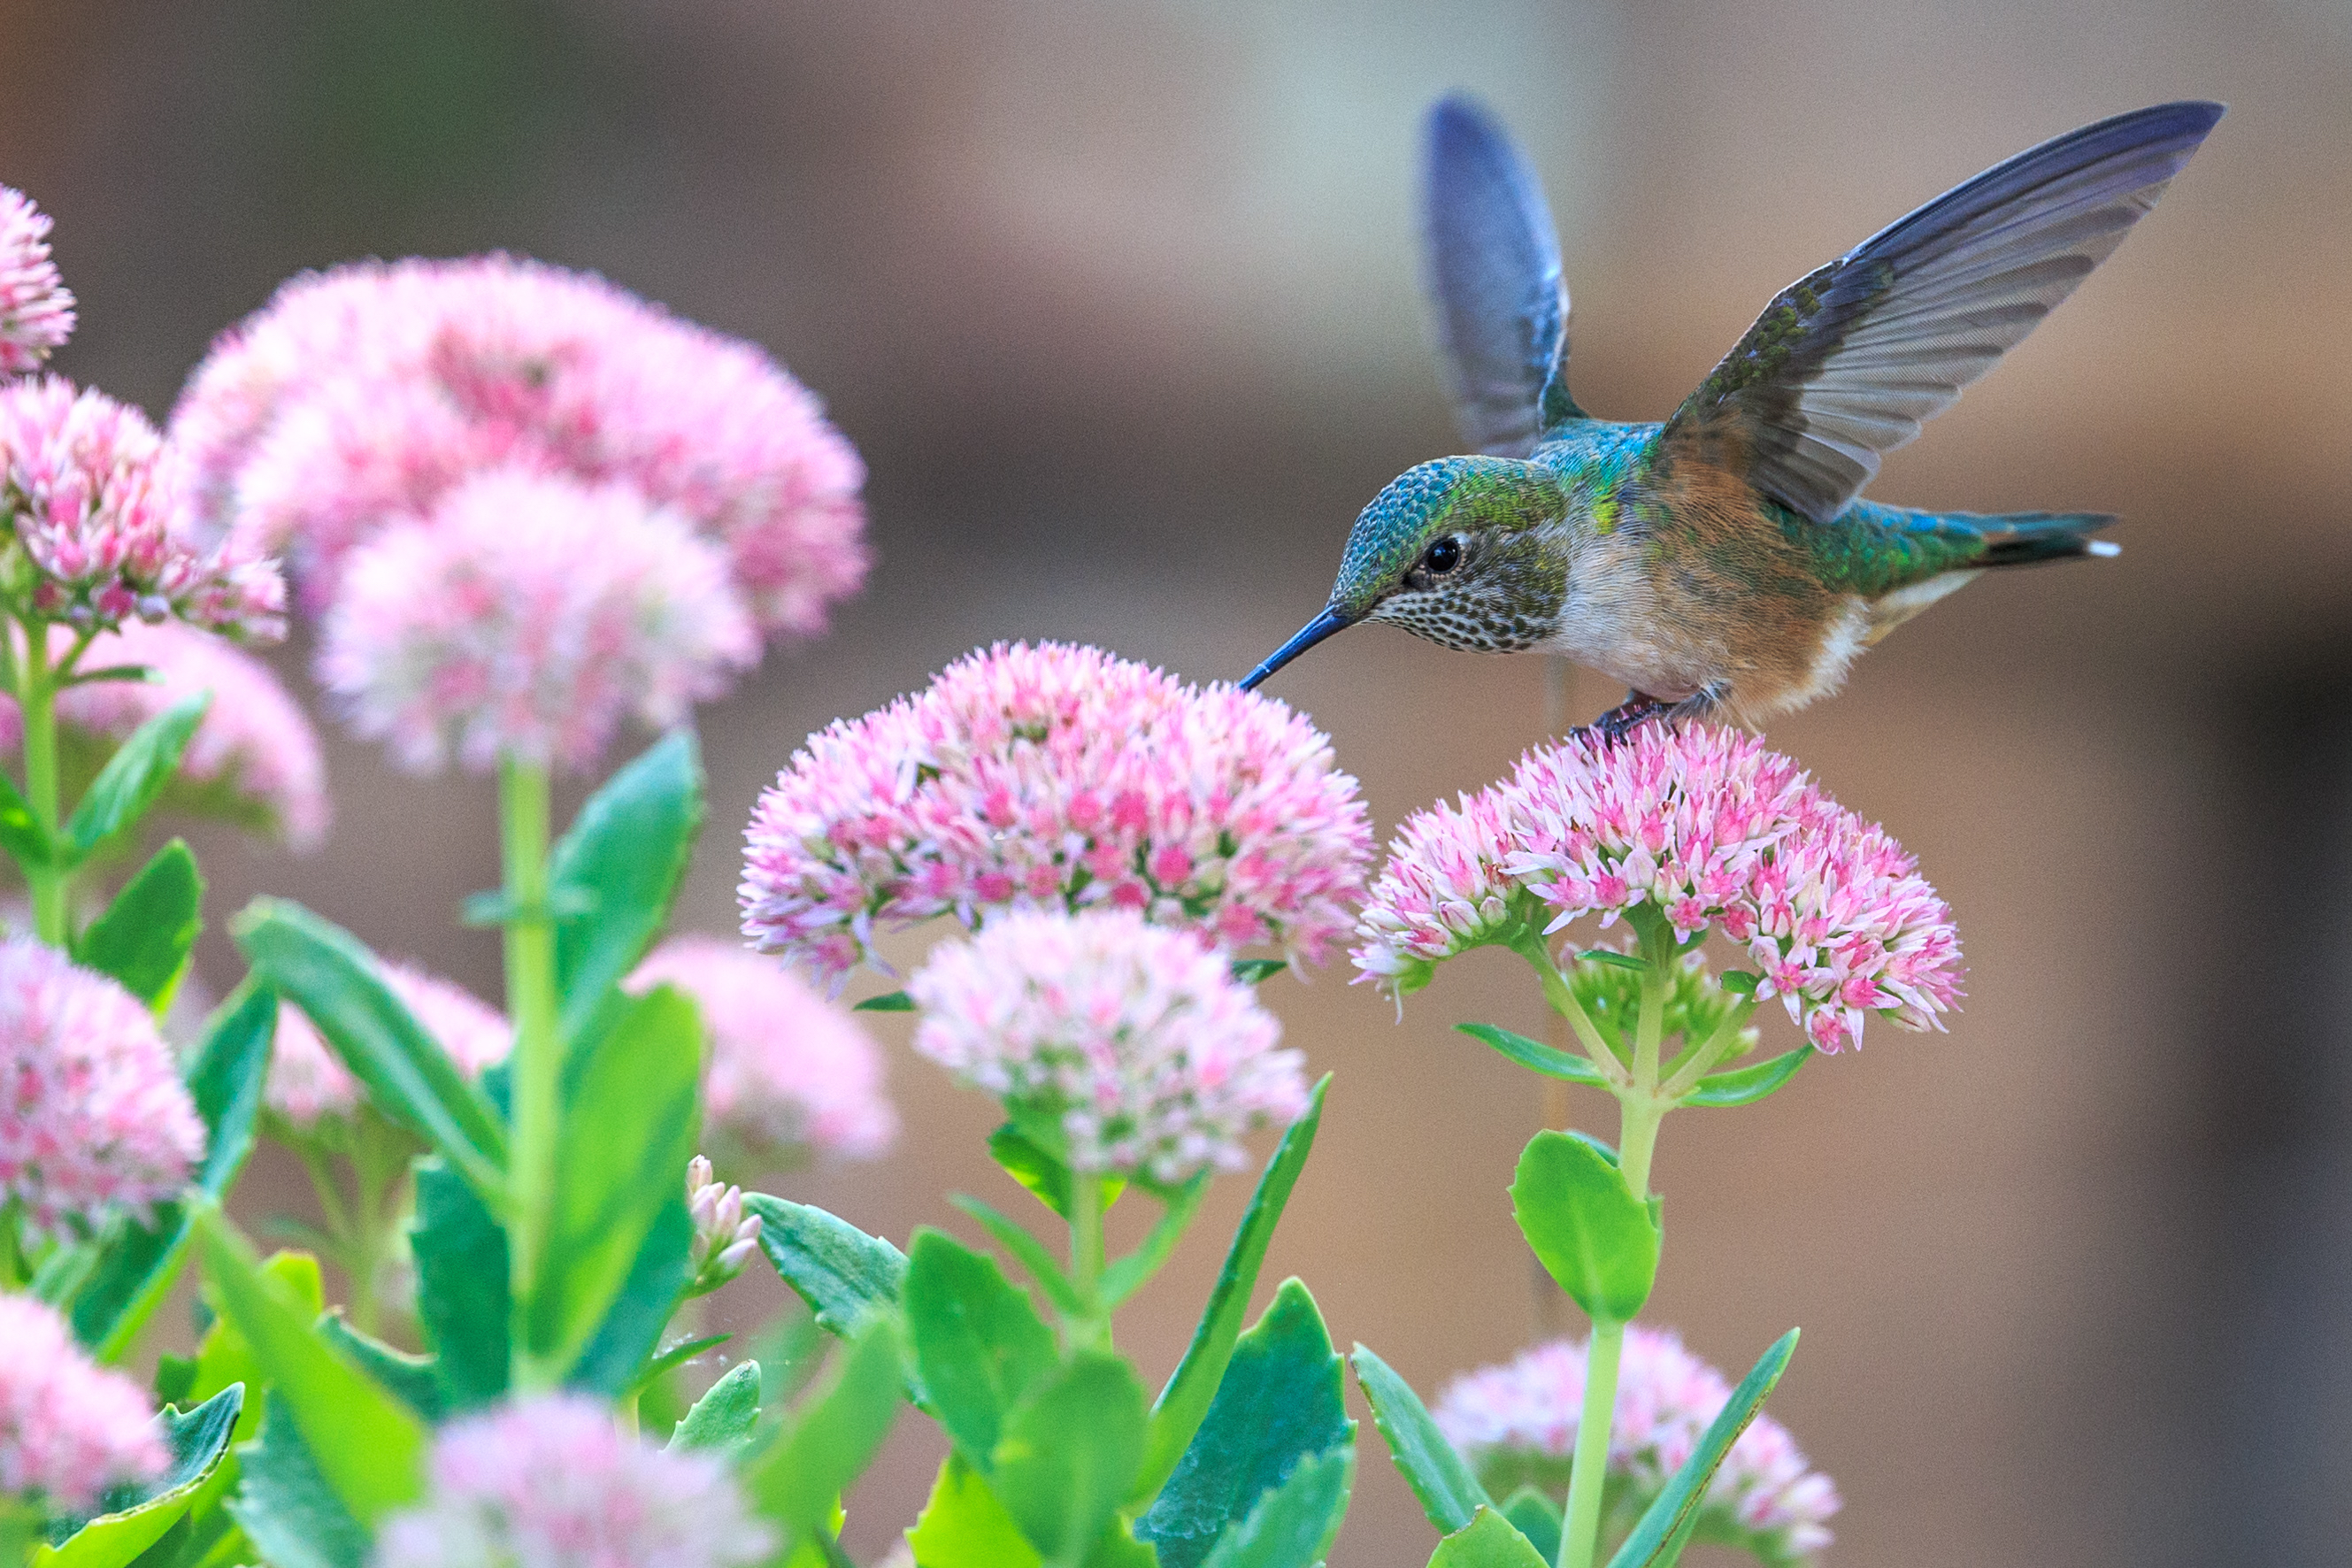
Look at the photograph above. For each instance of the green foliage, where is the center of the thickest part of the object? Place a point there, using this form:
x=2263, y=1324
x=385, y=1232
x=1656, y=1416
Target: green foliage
x=288, y=1505
x=624, y=856
x=131, y=778
x=889, y=1002
x=462, y=1300
x=1746, y=1086
x=1488, y=1540
x=614, y=1360
x=839, y=1270
x=797, y=1481
x=1535, y=1516
x=1294, y=1525
x=979, y=1345
x=144, y=938
x=133, y=1518
x=963, y=1526
x=21, y=832
x=727, y=1414
x=413, y=1378
x=1450, y=1495
x=1535, y=1055
x=1657, y=1540
x=1069, y=1453
x=1028, y=1250
x=1252, y=971
x=1127, y=1275
x=1037, y=1168
x=1591, y=1232
x=1698, y=1003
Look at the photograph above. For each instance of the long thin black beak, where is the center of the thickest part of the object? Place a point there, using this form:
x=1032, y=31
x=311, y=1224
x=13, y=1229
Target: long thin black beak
x=1313, y=632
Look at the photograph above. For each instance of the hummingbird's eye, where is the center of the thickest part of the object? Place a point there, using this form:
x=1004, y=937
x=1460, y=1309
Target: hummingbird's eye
x=1442, y=556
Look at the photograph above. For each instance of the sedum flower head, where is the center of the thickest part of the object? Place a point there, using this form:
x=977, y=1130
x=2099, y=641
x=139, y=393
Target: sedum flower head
x=94, y=501
x=93, y=1119
x=1058, y=777
x=550, y=1482
x=1517, y=1425
x=724, y=1235
x=36, y=312
x=308, y=1083
x=69, y=1428
x=789, y=1068
x=1136, y=1042
x=528, y=615
x=360, y=396
x=1705, y=828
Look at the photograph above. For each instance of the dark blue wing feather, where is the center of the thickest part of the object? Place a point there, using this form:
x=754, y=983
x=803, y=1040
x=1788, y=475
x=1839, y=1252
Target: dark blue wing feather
x=1847, y=364
x=1492, y=262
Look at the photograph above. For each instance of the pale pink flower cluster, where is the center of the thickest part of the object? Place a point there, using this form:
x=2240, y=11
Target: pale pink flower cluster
x=1704, y=825
x=92, y=1117
x=1138, y=1041
x=550, y=1482
x=362, y=396
x=69, y=1428
x=36, y=312
x=789, y=1068
x=308, y=1083
x=1058, y=777
x=528, y=615
x=724, y=1235
x=97, y=503
x=1529, y=1408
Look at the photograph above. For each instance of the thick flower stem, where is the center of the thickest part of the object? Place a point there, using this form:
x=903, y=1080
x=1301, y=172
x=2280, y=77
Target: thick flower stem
x=1579, y=1532
x=523, y=821
x=1093, y=1330
x=36, y=698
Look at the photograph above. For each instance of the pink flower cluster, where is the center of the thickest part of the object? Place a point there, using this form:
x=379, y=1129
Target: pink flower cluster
x=528, y=615
x=95, y=502
x=1524, y=1414
x=789, y=1068
x=69, y=1428
x=36, y=312
x=92, y=1117
x=308, y=1083
x=1058, y=777
x=362, y=396
x=1138, y=1041
x=550, y=1482
x=1708, y=828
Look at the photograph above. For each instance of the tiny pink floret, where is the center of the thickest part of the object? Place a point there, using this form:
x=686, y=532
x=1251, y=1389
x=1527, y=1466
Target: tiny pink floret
x=69, y=1428
x=37, y=311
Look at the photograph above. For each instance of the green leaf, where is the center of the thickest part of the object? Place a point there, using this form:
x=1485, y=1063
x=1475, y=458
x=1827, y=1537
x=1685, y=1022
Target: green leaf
x=1449, y=1493
x=1615, y=959
x=1294, y=1525
x=367, y=1447
x=630, y=1122
x=21, y=832
x=1535, y=1054
x=727, y=1414
x=136, y=1516
x=1069, y=1453
x=1746, y=1086
x=628, y=847
x=1535, y=1516
x=288, y=1505
x=1488, y=1540
x=1127, y=1275
x=1029, y=1250
x=134, y=777
x=676, y=1356
x=1666, y=1522
x=1251, y=970
x=829, y=1440
x=333, y=977
x=144, y=938
x=838, y=1270
x=1590, y=1231
x=889, y=1002
x=135, y=1269
x=963, y=1525
x=1739, y=982
x=978, y=1344
x=462, y=1301
x=1182, y=1403
x=412, y=1377
x=224, y=1357
x=618, y=1353
x=1282, y=1401
x=1036, y=1168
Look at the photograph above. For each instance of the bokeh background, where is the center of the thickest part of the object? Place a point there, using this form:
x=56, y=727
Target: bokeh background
x=1117, y=298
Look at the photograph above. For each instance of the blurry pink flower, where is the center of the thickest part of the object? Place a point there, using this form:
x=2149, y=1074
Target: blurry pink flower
x=1705, y=826
x=530, y=615
x=550, y=1482
x=1519, y=1421
x=36, y=314
x=309, y=1082
x=69, y=1428
x=360, y=396
x=1138, y=1041
x=1058, y=777
x=93, y=498
x=92, y=1117
x=789, y=1068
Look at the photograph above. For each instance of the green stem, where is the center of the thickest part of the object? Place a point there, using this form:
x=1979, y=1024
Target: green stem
x=523, y=822
x=1093, y=1329
x=36, y=700
x=1564, y=1001
x=1685, y=1070
x=1580, y=1532
x=15, y=1269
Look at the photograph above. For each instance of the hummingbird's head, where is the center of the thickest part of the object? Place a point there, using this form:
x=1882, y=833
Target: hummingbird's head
x=1459, y=550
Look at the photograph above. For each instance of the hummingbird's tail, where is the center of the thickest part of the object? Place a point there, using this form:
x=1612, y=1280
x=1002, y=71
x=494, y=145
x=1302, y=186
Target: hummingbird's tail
x=2021, y=538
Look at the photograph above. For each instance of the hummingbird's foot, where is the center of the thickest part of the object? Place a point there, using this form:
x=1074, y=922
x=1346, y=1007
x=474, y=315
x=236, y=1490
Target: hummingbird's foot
x=1621, y=721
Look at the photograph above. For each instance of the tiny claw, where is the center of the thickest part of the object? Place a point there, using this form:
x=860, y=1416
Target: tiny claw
x=1621, y=721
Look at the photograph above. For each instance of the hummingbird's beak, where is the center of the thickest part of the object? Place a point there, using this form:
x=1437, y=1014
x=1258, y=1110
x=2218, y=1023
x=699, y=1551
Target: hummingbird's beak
x=1313, y=632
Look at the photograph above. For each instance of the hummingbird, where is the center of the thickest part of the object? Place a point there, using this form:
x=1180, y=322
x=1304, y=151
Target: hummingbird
x=1722, y=562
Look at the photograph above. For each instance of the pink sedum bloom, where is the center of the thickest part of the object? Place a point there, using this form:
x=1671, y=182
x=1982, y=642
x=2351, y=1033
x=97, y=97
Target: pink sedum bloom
x=1058, y=777
x=93, y=1118
x=550, y=1482
x=69, y=1428
x=1706, y=827
x=360, y=396
x=1519, y=1421
x=1138, y=1041
x=789, y=1068
x=95, y=501
x=36, y=312
x=528, y=616
x=309, y=1083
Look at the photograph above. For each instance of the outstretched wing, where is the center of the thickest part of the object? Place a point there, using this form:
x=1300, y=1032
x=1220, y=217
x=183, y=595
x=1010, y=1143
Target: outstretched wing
x=1847, y=364
x=1492, y=262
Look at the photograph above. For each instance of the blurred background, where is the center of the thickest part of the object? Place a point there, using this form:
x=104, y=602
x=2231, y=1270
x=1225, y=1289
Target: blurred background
x=1118, y=301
